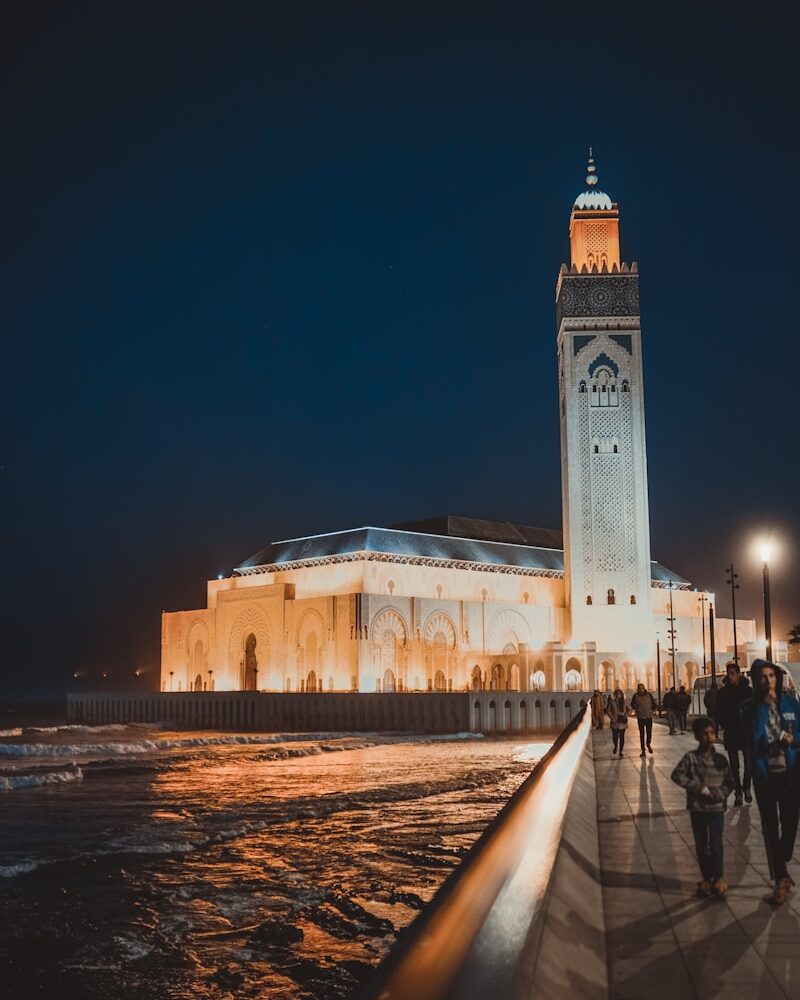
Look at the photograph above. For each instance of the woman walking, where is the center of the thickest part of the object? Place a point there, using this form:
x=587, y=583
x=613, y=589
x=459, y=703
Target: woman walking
x=771, y=728
x=618, y=713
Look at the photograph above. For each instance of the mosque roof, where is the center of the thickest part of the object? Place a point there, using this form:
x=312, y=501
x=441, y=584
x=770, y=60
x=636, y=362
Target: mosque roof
x=496, y=544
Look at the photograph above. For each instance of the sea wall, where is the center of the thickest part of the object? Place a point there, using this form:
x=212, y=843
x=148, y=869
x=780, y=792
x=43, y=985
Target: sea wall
x=433, y=712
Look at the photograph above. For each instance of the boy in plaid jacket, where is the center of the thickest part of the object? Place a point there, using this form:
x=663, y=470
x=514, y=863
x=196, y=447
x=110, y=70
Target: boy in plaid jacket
x=706, y=776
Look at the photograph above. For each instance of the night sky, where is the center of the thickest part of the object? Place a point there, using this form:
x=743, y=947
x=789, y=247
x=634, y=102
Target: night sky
x=276, y=269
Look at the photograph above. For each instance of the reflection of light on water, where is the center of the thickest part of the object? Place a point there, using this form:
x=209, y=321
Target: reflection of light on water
x=530, y=752
x=337, y=835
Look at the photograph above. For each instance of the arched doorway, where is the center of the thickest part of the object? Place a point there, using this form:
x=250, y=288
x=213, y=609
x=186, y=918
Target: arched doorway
x=573, y=678
x=498, y=677
x=198, y=664
x=439, y=681
x=538, y=680
x=608, y=680
x=250, y=663
x=311, y=681
x=388, y=681
x=476, y=678
x=628, y=678
x=198, y=683
x=690, y=674
x=513, y=682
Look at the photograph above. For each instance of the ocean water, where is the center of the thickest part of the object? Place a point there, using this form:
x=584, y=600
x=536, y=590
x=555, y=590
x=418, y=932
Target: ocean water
x=138, y=862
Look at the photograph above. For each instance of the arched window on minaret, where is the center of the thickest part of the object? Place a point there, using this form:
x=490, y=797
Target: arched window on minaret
x=633, y=598
x=588, y=598
x=612, y=597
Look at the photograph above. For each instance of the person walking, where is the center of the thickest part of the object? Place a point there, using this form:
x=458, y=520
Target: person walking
x=642, y=704
x=731, y=699
x=671, y=705
x=684, y=701
x=618, y=714
x=772, y=734
x=706, y=777
x=598, y=710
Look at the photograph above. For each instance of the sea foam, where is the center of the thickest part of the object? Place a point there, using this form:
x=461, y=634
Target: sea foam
x=13, y=782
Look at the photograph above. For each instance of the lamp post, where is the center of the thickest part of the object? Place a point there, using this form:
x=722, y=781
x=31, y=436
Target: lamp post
x=210, y=680
x=658, y=673
x=711, y=639
x=170, y=678
x=765, y=554
x=702, y=601
x=731, y=581
x=671, y=634
x=255, y=678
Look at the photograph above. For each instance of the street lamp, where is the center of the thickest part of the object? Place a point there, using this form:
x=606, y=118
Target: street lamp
x=170, y=678
x=731, y=581
x=658, y=673
x=711, y=639
x=765, y=554
x=702, y=599
x=210, y=680
x=671, y=634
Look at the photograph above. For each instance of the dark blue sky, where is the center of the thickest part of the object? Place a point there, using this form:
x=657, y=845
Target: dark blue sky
x=276, y=269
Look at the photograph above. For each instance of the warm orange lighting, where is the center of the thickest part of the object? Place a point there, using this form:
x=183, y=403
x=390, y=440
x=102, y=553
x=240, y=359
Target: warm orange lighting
x=594, y=238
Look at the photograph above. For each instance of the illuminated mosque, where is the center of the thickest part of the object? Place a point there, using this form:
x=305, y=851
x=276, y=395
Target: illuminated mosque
x=457, y=603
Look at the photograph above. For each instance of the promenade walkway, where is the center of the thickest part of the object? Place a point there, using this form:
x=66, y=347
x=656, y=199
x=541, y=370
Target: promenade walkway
x=663, y=942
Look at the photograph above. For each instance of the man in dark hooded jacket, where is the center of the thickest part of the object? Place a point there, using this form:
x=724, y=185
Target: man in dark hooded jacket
x=771, y=727
x=731, y=698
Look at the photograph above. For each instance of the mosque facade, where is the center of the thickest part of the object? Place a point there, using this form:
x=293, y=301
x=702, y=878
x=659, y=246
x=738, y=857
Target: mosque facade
x=456, y=603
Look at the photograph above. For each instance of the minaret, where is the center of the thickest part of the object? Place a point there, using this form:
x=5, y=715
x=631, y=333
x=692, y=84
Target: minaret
x=603, y=459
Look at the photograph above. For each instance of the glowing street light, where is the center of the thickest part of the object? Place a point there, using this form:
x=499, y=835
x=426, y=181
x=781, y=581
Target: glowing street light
x=766, y=552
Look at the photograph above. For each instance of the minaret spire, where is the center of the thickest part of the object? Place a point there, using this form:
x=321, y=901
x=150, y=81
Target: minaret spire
x=591, y=171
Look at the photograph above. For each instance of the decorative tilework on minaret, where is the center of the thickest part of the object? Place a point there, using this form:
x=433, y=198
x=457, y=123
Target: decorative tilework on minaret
x=603, y=455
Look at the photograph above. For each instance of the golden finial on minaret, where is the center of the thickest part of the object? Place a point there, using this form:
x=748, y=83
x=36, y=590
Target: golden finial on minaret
x=591, y=171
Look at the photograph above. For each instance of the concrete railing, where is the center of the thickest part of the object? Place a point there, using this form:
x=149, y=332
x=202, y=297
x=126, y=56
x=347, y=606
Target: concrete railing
x=487, y=712
x=522, y=916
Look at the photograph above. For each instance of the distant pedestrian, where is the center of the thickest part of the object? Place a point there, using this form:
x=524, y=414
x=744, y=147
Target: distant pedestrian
x=731, y=699
x=707, y=778
x=618, y=713
x=642, y=703
x=770, y=724
x=671, y=705
x=684, y=701
x=598, y=710
x=710, y=701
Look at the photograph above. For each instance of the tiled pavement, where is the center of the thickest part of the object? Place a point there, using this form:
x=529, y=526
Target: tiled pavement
x=662, y=941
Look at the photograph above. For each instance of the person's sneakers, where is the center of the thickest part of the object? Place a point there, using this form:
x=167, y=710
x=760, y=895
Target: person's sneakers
x=719, y=889
x=748, y=797
x=737, y=800
x=621, y=754
x=703, y=889
x=781, y=893
x=642, y=754
x=614, y=750
x=649, y=748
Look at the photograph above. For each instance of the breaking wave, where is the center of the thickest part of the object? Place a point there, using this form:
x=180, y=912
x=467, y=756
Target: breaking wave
x=149, y=746
x=11, y=783
x=10, y=732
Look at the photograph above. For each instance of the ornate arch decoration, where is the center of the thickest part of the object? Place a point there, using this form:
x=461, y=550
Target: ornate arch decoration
x=440, y=622
x=603, y=361
x=310, y=621
x=388, y=620
x=249, y=620
x=198, y=630
x=507, y=626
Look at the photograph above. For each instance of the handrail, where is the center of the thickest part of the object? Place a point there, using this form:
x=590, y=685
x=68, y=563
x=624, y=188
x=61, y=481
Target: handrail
x=470, y=939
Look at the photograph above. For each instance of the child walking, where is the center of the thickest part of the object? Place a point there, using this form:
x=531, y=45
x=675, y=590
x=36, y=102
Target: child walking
x=706, y=776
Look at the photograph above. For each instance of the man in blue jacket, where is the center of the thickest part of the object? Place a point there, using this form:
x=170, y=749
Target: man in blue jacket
x=771, y=727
